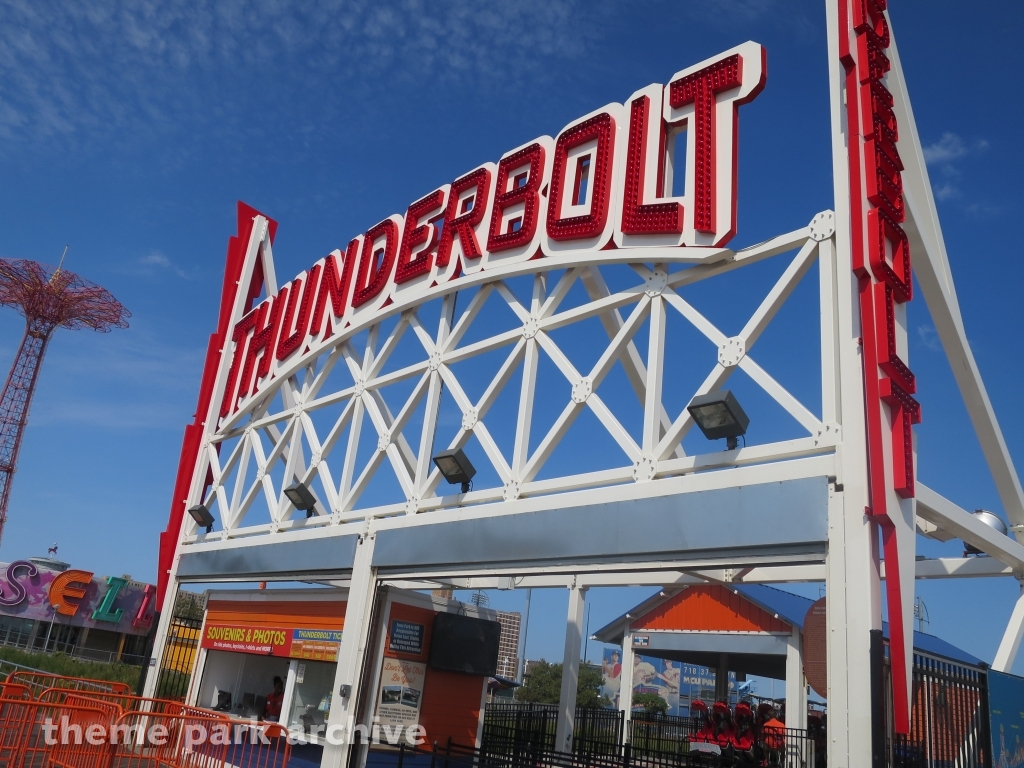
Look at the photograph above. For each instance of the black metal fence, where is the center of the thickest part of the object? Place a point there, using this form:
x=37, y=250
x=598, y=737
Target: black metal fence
x=535, y=724
x=523, y=734
x=949, y=718
x=661, y=733
x=181, y=648
x=786, y=749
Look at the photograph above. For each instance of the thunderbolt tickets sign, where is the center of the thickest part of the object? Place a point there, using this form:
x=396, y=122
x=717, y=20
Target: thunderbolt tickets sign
x=316, y=644
x=599, y=186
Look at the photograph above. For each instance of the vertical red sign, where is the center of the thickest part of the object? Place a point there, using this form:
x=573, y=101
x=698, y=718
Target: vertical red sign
x=881, y=261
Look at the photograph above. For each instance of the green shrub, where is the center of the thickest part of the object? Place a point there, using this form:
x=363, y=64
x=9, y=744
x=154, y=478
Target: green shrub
x=62, y=664
x=544, y=685
x=652, y=703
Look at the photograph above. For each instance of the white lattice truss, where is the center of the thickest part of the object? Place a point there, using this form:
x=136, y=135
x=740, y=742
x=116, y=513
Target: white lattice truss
x=313, y=423
x=276, y=431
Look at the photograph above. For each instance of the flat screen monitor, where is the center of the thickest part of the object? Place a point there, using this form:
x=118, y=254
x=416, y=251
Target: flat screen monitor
x=464, y=644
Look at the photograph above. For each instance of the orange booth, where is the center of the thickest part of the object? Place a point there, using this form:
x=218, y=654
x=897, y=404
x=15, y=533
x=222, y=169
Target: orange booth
x=431, y=660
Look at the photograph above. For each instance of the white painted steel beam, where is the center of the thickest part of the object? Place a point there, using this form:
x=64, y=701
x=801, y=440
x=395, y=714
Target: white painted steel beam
x=931, y=530
x=626, y=680
x=1010, y=644
x=854, y=598
x=960, y=568
x=352, y=652
x=928, y=569
x=570, y=669
x=943, y=513
x=796, y=686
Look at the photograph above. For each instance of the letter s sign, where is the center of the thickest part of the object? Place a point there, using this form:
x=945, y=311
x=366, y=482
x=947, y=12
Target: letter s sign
x=17, y=590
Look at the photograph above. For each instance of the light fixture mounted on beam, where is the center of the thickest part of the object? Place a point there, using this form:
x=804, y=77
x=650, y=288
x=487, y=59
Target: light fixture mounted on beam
x=301, y=498
x=202, y=517
x=990, y=519
x=718, y=414
x=455, y=467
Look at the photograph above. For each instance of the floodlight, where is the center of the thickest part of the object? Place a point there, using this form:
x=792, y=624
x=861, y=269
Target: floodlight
x=301, y=498
x=455, y=467
x=202, y=517
x=718, y=414
x=992, y=521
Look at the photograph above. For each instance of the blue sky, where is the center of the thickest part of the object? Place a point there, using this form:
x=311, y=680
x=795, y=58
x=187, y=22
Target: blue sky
x=130, y=129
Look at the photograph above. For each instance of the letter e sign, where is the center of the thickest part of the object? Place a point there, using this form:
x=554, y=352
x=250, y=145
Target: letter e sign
x=63, y=587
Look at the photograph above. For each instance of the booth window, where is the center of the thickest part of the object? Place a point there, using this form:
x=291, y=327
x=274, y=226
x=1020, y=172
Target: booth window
x=238, y=683
x=312, y=698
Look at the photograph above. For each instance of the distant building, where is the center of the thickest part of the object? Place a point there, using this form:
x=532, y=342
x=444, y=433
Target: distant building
x=45, y=605
x=508, y=644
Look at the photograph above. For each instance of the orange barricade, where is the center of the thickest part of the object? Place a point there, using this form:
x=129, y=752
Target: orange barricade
x=93, y=750
x=78, y=729
x=126, y=702
x=58, y=735
x=144, y=740
x=259, y=745
x=13, y=712
x=40, y=681
x=111, y=709
x=14, y=691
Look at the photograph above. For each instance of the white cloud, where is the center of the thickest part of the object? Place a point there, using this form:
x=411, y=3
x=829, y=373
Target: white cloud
x=929, y=337
x=71, y=72
x=156, y=258
x=122, y=380
x=949, y=147
x=732, y=10
x=151, y=262
x=945, y=155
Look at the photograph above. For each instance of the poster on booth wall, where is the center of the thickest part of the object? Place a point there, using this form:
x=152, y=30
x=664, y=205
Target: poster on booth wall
x=662, y=677
x=401, y=693
x=1006, y=717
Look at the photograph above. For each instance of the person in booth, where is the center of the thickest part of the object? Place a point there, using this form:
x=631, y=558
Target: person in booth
x=272, y=709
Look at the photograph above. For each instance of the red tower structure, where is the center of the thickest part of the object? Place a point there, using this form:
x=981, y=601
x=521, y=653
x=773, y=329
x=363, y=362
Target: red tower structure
x=49, y=299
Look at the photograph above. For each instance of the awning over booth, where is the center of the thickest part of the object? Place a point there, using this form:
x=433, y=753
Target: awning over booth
x=752, y=623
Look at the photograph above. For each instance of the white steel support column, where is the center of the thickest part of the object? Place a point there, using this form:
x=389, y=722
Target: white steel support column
x=570, y=668
x=192, y=697
x=521, y=658
x=626, y=679
x=1010, y=643
x=852, y=574
x=160, y=641
x=796, y=686
x=351, y=655
x=289, y=692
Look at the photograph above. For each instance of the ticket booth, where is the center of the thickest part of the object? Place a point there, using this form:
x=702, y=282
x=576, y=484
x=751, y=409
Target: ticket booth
x=250, y=637
x=432, y=659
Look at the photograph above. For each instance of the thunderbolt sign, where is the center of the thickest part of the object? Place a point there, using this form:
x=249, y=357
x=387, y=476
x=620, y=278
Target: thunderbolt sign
x=598, y=187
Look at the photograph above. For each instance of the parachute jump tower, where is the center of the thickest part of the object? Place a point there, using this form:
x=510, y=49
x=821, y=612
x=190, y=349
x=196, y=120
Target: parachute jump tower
x=49, y=299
